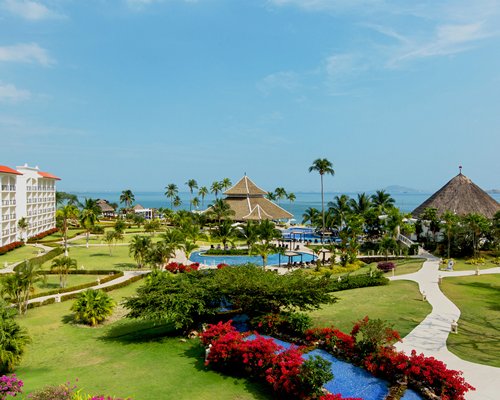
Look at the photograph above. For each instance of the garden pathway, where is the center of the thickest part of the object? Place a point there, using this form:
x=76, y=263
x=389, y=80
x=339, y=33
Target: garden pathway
x=430, y=336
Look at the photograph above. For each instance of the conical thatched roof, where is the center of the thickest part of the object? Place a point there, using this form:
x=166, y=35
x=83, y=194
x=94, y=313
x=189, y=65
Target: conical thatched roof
x=461, y=196
x=245, y=187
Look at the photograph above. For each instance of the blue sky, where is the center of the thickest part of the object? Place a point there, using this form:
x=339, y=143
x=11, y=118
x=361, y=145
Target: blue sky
x=137, y=94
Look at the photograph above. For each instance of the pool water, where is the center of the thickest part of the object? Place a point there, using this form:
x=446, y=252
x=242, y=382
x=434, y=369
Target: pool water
x=350, y=380
x=272, y=259
x=305, y=234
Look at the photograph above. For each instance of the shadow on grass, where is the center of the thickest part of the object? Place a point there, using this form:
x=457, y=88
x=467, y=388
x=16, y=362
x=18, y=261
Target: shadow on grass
x=490, y=291
x=132, y=331
x=99, y=254
x=256, y=388
x=125, y=265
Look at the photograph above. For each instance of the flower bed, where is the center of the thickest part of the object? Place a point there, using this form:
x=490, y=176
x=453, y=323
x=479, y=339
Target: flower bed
x=10, y=247
x=177, y=268
x=41, y=235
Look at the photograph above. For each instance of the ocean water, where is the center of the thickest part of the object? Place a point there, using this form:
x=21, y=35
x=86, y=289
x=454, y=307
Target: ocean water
x=406, y=202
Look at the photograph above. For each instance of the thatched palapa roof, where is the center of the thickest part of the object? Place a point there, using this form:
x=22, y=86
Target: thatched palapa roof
x=247, y=201
x=104, y=206
x=460, y=196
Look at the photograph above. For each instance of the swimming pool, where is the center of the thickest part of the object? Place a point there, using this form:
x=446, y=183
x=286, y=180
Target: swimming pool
x=301, y=233
x=272, y=259
x=350, y=380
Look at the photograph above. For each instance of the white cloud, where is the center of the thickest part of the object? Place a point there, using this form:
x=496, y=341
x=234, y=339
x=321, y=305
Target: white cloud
x=285, y=80
x=9, y=93
x=30, y=10
x=26, y=53
x=446, y=40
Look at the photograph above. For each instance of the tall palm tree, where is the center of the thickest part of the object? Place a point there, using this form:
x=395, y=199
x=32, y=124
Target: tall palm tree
x=177, y=201
x=267, y=231
x=339, y=208
x=202, y=192
x=382, y=201
x=93, y=306
x=62, y=265
x=280, y=193
x=23, y=225
x=188, y=247
x=225, y=184
x=216, y=188
x=311, y=215
x=263, y=250
x=225, y=232
x=450, y=223
x=361, y=205
x=139, y=247
x=65, y=214
x=220, y=210
x=192, y=184
x=322, y=166
x=89, y=216
x=250, y=233
x=171, y=192
x=195, y=202
x=271, y=196
x=127, y=197
x=291, y=197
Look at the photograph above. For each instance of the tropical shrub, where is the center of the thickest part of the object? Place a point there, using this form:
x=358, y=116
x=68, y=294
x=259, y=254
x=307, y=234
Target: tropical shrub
x=53, y=392
x=41, y=235
x=10, y=385
x=371, y=335
x=10, y=247
x=176, y=268
x=386, y=266
x=222, y=265
x=331, y=396
x=92, y=307
x=285, y=324
x=347, y=282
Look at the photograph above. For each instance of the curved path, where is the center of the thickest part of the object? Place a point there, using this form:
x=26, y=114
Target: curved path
x=430, y=336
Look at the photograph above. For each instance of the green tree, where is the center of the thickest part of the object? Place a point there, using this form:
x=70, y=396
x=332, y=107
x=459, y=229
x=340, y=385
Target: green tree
x=63, y=198
x=192, y=184
x=195, y=202
x=110, y=237
x=188, y=247
x=250, y=233
x=171, y=191
x=382, y=201
x=224, y=232
x=216, y=188
x=13, y=339
x=263, y=250
x=291, y=197
x=267, y=231
x=160, y=254
x=127, y=197
x=280, y=194
x=361, y=205
x=62, y=265
x=271, y=196
x=65, y=215
x=431, y=220
x=388, y=244
x=311, y=215
x=322, y=166
x=89, y=217
x=92, y=307
x=203, y=192
x=220, y=210
x=19, y=285
x=339, y=210
x=478, y=226
x=152, y=226
x=177, y=202
x=23, y=225
x=450, y=221
x=139, y=247
x=225, y=183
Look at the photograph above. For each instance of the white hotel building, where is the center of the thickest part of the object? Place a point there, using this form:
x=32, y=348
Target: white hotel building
x=30, y=193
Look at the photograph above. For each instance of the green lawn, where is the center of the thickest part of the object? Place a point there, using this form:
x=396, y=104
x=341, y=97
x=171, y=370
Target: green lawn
x=461, y=264
x=124, y=358
x=58, y=235
x=403, y=267
x=52, y=282
x=99, y=258
x=478, y=298
x=99, y=239
x=19, y=254
x=400, y=303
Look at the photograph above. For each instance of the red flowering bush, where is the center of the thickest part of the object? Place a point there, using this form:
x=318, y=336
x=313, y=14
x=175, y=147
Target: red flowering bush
x=372, y=335
x=386, y=266
x=175, y=267
x=333, y=340
x=337, y=397
x=10, y=247
x=222, y=265
x=43, y=234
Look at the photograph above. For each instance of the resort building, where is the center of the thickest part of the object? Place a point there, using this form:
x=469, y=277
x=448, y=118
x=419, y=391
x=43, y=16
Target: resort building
x=460, y=196
x=247, y=201
x=8, y=220
x=30, y=194
x=107, y=210
x=146, y=213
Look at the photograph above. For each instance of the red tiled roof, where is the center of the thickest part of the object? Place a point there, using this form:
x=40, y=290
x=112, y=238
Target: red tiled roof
x=48, y=175
x=7, y=170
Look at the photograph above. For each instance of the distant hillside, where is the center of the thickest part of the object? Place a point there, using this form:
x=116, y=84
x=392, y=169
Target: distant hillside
x=400, y=189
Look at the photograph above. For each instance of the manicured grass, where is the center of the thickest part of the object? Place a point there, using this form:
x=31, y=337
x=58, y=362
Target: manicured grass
x=478, y=298
x=124, y=358
x=52, y=282
x=19, y=254
x=99, y=258
x=58, y=235
x=461, y=264
x=403, y=267
x=99, y=239
x=399, y=303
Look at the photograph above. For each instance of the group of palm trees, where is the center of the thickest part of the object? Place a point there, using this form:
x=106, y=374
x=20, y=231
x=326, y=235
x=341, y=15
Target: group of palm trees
x=279, y=194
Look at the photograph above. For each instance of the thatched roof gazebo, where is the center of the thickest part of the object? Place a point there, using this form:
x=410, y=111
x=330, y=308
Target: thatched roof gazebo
x=247, y=201
x=460, y=196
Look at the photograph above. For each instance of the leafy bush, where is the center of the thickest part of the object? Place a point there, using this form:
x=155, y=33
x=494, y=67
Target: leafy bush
x=97, y=230
x=41, y=235
x=53, y=392
x=386, y=266
x=36, y=261
x=476, y=261
x=93, y=307
x=227, y=252
x=285, y=324
x=358, y=281
x=13, y=339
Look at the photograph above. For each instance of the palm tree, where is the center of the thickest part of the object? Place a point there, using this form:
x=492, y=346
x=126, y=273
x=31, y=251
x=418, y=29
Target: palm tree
x=216, y=188
x=160, y=254
x=250, y=233
x=188, y=247
x=271, y=196
x=280, y=193
x=220, y=210
x=362, y=205
x=71, y=199
x=291, y=197
x=202, y=192
x=127, y=197
x=139, y=246
x=267, y=231
x=195, y=202
x=13, y=339
x=171, y=192
x=339, y=209
x=23, y=225
x=88, y=216
x=177, y=201
x=111, y=237
x=65, y=214
x=322, y=166
x=19, y=285
x=382, y=201
x=450, y=223
x=311, y=215
x=225, y=184
x=192, y=184
x=92, y=307
x=263, y=250
x=478, y=225
x=225, y=232
x=62, y=265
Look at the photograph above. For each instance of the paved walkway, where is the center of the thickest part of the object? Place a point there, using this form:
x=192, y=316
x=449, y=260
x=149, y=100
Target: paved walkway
x=430, y=336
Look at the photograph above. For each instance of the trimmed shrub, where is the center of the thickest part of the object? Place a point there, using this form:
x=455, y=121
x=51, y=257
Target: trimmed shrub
x=41, y=235
x=386, y=266
x=358, y=281
x=10, y=247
